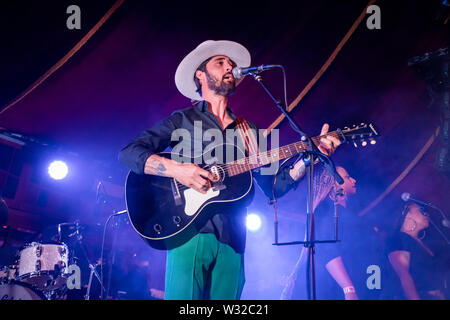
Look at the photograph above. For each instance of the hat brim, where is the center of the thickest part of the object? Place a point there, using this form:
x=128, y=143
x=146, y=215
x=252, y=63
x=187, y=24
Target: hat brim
x=184, y=76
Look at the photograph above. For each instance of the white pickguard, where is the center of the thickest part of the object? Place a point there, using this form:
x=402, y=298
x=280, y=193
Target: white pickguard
x=195, y=199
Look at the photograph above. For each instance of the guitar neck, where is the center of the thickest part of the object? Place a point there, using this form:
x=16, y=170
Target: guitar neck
x=264, y=158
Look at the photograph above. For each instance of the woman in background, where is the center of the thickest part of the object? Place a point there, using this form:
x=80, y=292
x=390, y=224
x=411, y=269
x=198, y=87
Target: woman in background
x=341, y=268
x=414, y=262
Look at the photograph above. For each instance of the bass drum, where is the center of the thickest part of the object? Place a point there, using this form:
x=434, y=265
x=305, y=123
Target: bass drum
x=15, y=290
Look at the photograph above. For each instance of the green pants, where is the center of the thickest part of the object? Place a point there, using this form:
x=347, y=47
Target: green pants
x=204, y=268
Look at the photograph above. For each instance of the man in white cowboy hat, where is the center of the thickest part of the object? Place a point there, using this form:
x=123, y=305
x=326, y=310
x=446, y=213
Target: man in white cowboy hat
x=209, y=265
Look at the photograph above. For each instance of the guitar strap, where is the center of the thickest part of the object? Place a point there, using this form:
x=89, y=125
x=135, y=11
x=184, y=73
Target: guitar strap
x=248, y=136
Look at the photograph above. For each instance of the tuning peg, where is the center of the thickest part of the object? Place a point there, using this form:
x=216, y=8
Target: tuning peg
x=372, y=141
x=364, y=143
x=354, y=143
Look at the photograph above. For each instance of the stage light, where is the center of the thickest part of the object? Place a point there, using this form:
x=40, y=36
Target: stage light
x=58, y=170
x=253, y=222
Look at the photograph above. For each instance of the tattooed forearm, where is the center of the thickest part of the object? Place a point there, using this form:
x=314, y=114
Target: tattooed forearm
x=154, y=165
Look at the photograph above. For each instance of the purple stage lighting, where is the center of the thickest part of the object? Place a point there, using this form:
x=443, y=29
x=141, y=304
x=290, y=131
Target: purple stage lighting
x=58, y=170
x=253, y=222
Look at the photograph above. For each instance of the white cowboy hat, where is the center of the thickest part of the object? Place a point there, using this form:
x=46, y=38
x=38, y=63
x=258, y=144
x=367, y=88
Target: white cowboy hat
x=184, y=76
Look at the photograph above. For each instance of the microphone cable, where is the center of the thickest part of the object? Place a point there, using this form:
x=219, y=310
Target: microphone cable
x=103, y=249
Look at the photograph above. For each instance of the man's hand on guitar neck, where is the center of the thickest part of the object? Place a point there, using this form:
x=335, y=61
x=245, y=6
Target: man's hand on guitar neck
x=328, y=145
x=188, y=174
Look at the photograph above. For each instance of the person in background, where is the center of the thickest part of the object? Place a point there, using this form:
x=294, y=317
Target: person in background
x=341, y=267
x=414, y=261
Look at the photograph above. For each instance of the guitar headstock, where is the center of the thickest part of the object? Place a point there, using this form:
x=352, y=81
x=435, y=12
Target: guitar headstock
x=363, y=134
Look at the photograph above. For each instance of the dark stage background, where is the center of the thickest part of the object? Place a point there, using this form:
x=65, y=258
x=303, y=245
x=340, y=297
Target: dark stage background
x=122, y=81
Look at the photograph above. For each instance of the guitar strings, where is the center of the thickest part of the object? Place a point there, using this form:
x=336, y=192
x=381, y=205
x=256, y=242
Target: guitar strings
x=247, y=162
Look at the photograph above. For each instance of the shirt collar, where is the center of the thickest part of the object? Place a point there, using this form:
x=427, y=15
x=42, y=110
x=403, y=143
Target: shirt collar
x=203, y=106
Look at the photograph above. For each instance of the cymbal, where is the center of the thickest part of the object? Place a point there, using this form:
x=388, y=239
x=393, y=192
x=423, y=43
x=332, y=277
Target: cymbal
x=68, y=229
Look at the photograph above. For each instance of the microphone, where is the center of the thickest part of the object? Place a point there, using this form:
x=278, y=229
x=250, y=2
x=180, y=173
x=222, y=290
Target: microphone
x=242, y=72
x=407, y=197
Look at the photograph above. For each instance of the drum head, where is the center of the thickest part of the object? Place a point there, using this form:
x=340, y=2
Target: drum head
x=19, y=291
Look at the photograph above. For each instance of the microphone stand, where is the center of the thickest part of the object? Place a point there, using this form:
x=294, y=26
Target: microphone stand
x=308, y=158
x=115, y=226
x=434, y=224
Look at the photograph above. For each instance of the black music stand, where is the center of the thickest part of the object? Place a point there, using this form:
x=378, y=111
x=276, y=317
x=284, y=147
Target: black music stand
x=309, y=158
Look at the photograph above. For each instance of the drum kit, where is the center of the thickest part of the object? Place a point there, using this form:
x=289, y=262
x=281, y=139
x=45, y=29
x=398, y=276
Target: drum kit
x=40, y=273
x=41, y=270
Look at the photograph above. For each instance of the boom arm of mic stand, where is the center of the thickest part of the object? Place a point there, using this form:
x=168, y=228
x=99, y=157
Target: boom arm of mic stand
x=258, y=79
x=437, y=228
x=316, y=152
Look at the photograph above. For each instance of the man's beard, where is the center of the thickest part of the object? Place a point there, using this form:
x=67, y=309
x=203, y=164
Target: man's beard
x=223, y=89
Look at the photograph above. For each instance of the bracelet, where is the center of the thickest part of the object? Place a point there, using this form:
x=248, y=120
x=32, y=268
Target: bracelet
x=349, y=289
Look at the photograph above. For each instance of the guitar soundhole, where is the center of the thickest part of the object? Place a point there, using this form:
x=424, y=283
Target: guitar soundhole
x=157, y=228
x=176, y=220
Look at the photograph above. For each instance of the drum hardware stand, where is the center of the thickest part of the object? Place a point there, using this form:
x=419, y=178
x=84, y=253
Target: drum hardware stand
x=93, y=271
x=308, y=158
x=51, y=295
x=79, y=240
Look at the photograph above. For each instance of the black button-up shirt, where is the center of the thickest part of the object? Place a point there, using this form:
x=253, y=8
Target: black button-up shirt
x=228, y=221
